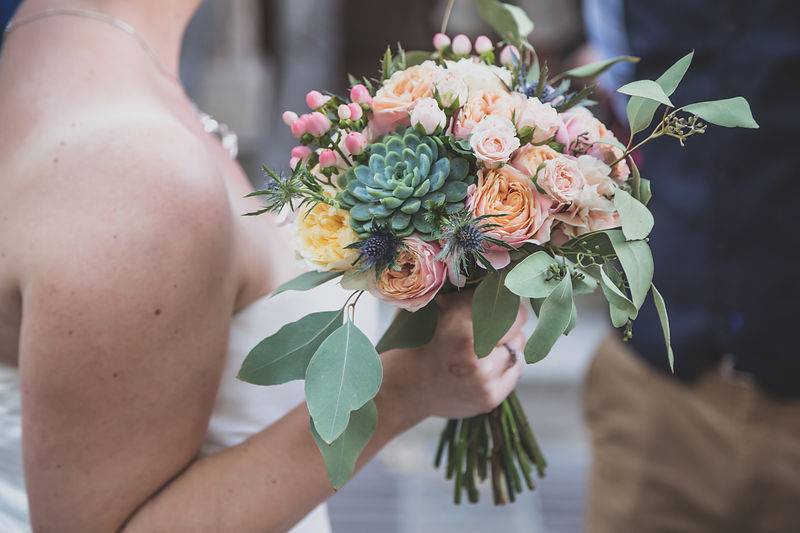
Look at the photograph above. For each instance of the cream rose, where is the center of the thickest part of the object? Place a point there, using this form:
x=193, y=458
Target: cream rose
x=415, y=278
x=561, y=179
x=479, y=76
x=451, y=91
x=321, y=236
x=427, y=116
x=394, y=100
x=597, y=173
x=493, y=140
x=529, y=157
x=521, y=212
x=481, y=104
x=590, y=212
x=542, y=119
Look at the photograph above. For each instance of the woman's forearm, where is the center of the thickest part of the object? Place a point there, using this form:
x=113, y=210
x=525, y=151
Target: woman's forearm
x=273, y=479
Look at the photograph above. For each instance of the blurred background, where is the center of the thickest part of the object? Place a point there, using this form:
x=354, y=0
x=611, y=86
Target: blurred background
x=246, y=61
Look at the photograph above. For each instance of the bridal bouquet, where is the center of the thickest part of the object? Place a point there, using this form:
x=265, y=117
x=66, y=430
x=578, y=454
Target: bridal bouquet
x=452, y=171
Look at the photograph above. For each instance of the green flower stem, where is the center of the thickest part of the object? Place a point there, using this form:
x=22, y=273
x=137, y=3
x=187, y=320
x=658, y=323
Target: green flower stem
x=519, y=451
x=451, y=452
x=461, y=448
x=472, y=459
x=528, y=440
x=449, y=429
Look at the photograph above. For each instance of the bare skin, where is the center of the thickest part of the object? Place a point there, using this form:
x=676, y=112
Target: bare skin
x=122, y=260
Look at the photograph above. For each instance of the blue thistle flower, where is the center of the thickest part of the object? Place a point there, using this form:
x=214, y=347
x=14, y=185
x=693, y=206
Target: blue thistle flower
x=464, y=239
x=378, y=251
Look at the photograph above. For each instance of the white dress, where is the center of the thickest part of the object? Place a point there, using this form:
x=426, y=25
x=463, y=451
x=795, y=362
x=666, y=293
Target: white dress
x=241, y=409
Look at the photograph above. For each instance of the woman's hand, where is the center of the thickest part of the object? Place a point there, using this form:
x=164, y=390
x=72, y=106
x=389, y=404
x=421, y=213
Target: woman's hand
x=445, y=378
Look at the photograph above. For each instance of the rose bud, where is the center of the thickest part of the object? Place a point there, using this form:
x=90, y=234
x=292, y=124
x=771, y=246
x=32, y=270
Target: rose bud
x=316, y=99
x=355, y=111
x=344, y=112
x=441, y=41
x=289, y=117
x=509, y=56
x=360, y=94
x=427, y=117
x=327, y=158
x=318, y=124
x=355, y=143
x=461, y=45
x=483, y=45
x=451, y=91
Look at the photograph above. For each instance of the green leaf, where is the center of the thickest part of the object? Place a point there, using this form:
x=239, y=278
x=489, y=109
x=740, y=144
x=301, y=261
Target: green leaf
x=533, y=278
x=637, y=263
x=596, y=68
x=637, y=221
x=494, y=310
x=661, y=308
x=410, y=330
x=647, y=89
x=573, y=317
x=416, y=57
x=341, y=455
x=620, y=307
x=509, y=21
x=731, y=113
x=284, y=356
x=585, y=285
x=306, y=281
x=645, y=194
x=536, y=305
x=343, y=375
x=635, y=179
x=641, y=111
x=554, y=318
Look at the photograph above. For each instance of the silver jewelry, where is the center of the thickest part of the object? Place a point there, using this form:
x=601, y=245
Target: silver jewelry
x=226, y=136
x=511, y=351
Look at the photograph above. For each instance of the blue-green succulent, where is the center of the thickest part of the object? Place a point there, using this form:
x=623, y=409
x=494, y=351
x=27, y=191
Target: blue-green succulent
x=408, y=180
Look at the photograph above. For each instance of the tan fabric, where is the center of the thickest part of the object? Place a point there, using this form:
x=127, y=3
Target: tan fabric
x=714, y=456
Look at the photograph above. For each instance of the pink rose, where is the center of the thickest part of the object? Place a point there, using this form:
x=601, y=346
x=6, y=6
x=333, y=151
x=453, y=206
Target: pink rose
x=521, y=212
x=493, y=140
x=427, y=117
x=581, y=133
x=394, y=100
x=561, y=179
x=416, y=279
x=542, y=119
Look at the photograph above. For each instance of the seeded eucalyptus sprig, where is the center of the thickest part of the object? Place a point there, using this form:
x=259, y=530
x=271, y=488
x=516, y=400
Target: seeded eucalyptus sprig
x=299, y=189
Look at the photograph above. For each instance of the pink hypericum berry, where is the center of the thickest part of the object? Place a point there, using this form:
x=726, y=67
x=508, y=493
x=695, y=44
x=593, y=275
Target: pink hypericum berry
x=441, y=41
x=461, y=45
x=355, y=142
x=509, y=56
x=301, y=152
x=327, y=158
x=300, y=126
x=360, y=94
x=343, y=112
x=289, y=117
x=316, y=99
x=355, y=111
x=317, y=124
x=483, y=44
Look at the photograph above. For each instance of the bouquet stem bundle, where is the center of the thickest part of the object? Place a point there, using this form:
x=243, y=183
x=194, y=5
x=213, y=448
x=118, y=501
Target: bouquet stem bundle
x=499, y=444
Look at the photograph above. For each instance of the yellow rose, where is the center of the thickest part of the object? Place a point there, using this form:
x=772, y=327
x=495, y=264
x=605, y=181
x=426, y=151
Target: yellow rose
x=321, y=235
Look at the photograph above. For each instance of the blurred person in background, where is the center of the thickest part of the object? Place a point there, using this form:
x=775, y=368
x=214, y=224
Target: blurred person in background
x=131, y=290
x=716, y=446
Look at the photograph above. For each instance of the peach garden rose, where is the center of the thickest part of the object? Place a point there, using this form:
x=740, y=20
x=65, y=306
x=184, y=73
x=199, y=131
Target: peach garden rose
x=416, y=277
x=394, y=100
x=561, y=179
x=493, y=140
x=522, y=213
x=529, y=157
x=481, y=104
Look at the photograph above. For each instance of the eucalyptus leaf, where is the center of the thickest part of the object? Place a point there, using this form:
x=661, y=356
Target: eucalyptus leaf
x=341, y=455
x=596, y=68
x=284, y=356
x=536, y=305
x=731, y=113
x=573, y=317
x=410, y=330
x=416, y=57
x=637, y=221
x=585, y=285
x=641, y=111
x=661, y=308
x=343, y=375
x=533, y=278
x=645, y=194
x=647, y=89
x=509, y=21
x=494, y=310
x=635, y=179
x=637, y=263
x=620, y=307
x=306, y=281
x=554, y=318
x=354, y=280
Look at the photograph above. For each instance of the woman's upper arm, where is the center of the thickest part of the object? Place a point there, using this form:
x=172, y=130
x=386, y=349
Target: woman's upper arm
x=126, y=307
